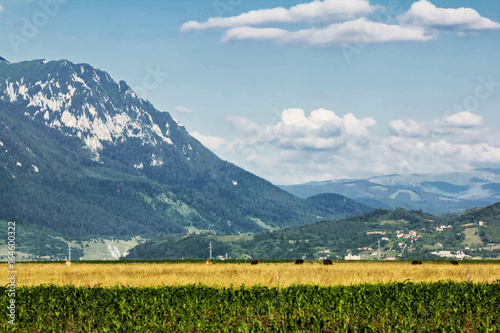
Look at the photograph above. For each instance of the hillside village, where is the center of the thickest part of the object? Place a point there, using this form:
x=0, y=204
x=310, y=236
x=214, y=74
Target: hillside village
x=400, y=243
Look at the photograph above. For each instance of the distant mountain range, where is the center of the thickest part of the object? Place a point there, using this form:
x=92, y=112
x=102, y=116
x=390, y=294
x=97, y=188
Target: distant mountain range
x=82, y=155
x=433, y=193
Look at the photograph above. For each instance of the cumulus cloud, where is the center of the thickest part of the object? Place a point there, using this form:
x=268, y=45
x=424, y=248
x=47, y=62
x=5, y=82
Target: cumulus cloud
x=424, y=13
x=211, y=142
x=409, y=128
x=454, y=142
x=454, y=123
x=312, y=11
x=303, y=147
x=422, y=22
x=464, y=119
x=321, y=130
x=360, y=31
x=465, y=154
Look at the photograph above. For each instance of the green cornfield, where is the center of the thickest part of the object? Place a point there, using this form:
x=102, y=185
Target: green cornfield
x=391, y=307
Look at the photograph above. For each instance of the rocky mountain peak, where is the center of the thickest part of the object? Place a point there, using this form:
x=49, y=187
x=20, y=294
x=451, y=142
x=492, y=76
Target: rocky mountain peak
x=83, y=101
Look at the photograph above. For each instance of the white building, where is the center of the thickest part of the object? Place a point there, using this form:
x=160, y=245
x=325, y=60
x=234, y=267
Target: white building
x=449, y=254
x=352, y=257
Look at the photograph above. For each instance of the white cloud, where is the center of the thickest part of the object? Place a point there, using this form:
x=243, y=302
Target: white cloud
x=312, y=11
x=383, y=156
x=452, y=124
x=424, y=13
x=243, y=124
x=409, y=128
x=422, y=22
x=1, y=8
x=464, y=119
x=322, y=145
x=322, y=129
x=358, y=31
x=465, y=153
x=183, y=109
x=356, y=127
x=211, y=142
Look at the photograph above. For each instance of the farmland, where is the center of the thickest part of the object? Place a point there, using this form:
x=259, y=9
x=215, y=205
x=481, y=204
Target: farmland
x=174, y=296
x=439, y=306
x=232, y=274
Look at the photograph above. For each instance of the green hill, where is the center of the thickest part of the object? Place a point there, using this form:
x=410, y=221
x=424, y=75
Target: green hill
x=402, y=234
x=489, y=232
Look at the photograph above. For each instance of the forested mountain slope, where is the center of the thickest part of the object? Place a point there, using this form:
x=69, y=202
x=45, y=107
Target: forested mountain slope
x=82, y=155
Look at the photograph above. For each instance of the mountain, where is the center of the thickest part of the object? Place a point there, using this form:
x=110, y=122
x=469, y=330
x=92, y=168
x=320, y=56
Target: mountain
x=81, y=154
x=402, y=234
x=340, y=204
x=434, y=193
x=476, y=184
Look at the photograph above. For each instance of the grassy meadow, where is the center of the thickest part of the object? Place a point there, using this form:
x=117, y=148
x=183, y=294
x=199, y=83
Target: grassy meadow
x=150, y=274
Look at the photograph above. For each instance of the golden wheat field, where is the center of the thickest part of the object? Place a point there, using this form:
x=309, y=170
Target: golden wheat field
x=225, y=275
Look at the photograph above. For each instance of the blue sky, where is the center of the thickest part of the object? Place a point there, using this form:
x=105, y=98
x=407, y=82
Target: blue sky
x=309, y=91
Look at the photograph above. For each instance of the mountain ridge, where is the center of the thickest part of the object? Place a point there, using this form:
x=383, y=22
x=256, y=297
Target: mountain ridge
x=82, y=154
x=434, y=193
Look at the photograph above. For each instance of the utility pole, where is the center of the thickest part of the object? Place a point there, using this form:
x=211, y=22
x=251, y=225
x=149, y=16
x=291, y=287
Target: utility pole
x=69, y=251
x=210, y=250
x=379, y=249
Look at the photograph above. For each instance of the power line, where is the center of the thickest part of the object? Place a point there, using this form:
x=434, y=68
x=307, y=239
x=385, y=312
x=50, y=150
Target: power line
x=379, y=249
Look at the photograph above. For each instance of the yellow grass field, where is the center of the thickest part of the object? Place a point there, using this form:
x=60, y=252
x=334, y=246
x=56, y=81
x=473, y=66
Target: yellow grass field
x=225, y=275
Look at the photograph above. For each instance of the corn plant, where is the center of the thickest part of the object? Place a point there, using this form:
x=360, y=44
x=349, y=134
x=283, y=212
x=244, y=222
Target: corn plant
x=392, y=307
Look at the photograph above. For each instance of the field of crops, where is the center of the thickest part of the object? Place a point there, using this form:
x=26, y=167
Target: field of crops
x=396, y=307
x=144, y=274
x=239, y=297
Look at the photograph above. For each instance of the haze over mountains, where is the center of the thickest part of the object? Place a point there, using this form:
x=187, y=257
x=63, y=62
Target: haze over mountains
x=433, y=193
x=81, y=154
